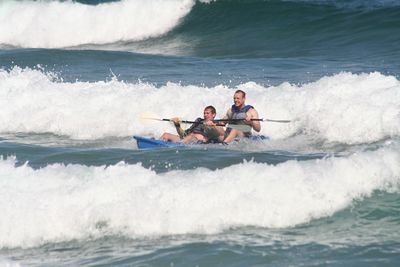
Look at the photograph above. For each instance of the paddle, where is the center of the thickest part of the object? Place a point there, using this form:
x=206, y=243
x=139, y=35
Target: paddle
x=262, y=120
x=224, y=120
x=156, y=119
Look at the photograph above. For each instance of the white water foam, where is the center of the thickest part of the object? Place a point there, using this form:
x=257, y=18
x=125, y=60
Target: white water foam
x=60, y=203
x=344, y=108
x=56, y=24
x=8, y=263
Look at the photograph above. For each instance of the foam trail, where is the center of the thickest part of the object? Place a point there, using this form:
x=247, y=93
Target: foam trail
x=45, y=24
x=62, y=203
x=345, y=108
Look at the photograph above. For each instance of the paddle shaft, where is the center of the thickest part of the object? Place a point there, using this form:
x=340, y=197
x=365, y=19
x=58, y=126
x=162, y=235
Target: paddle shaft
x=225, y=120
x=179, y=121
x=236, y=120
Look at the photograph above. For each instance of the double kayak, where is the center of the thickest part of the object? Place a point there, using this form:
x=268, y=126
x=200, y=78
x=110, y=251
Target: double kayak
x=150, y=143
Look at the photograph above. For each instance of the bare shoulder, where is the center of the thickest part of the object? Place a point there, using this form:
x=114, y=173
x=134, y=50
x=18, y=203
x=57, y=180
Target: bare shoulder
x=229, y=113
x=253, y=112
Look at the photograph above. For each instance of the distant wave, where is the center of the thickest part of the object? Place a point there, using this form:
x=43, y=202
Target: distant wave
x=76, y=202
x=288, y=28
x=218, y=28
x=45, y=24
x=345, y=108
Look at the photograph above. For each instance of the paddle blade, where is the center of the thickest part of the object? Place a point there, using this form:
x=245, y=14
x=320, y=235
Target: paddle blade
x=147, y=117
x=281, y=121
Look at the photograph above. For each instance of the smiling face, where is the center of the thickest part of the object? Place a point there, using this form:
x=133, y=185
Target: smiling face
x=239, y=99
x=208, y=114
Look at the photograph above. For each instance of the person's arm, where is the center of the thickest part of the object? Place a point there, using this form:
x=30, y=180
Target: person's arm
x=253, y=114
x=194, y=125
x=178, y=127
x=228, y=115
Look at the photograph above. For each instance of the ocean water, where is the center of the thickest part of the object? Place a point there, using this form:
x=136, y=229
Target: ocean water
x=77, y=79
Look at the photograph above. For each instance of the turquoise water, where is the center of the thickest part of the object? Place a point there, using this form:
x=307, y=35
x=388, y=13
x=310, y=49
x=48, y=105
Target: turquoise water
x=77, y=78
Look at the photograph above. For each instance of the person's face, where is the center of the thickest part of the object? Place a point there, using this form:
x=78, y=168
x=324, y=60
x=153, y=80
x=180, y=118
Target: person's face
x=208, y=115
x=238, y=99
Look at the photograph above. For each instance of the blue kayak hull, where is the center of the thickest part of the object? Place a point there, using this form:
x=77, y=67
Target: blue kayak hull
x=149, y=143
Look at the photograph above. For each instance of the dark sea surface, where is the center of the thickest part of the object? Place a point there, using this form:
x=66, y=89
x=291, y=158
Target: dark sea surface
x=77, y=79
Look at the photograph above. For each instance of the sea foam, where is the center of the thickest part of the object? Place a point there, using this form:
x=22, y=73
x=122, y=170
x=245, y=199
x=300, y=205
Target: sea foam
x=8, y=263
x=56, y=24
x=344, y=108
x=61, y=203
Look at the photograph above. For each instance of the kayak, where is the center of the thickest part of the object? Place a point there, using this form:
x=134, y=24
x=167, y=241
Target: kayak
x=150, y=143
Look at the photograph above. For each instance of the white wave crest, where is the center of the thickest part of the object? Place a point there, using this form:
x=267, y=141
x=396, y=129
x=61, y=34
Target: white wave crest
x=55, y=24
x=8, y=263
x=60, y=203
x=345, y=108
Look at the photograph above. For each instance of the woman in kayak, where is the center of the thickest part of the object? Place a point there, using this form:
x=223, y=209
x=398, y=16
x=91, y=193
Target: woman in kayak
x=203, y=130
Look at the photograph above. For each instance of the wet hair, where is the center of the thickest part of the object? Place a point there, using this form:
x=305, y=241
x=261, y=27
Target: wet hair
x=242, y=92
x=212, y=109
